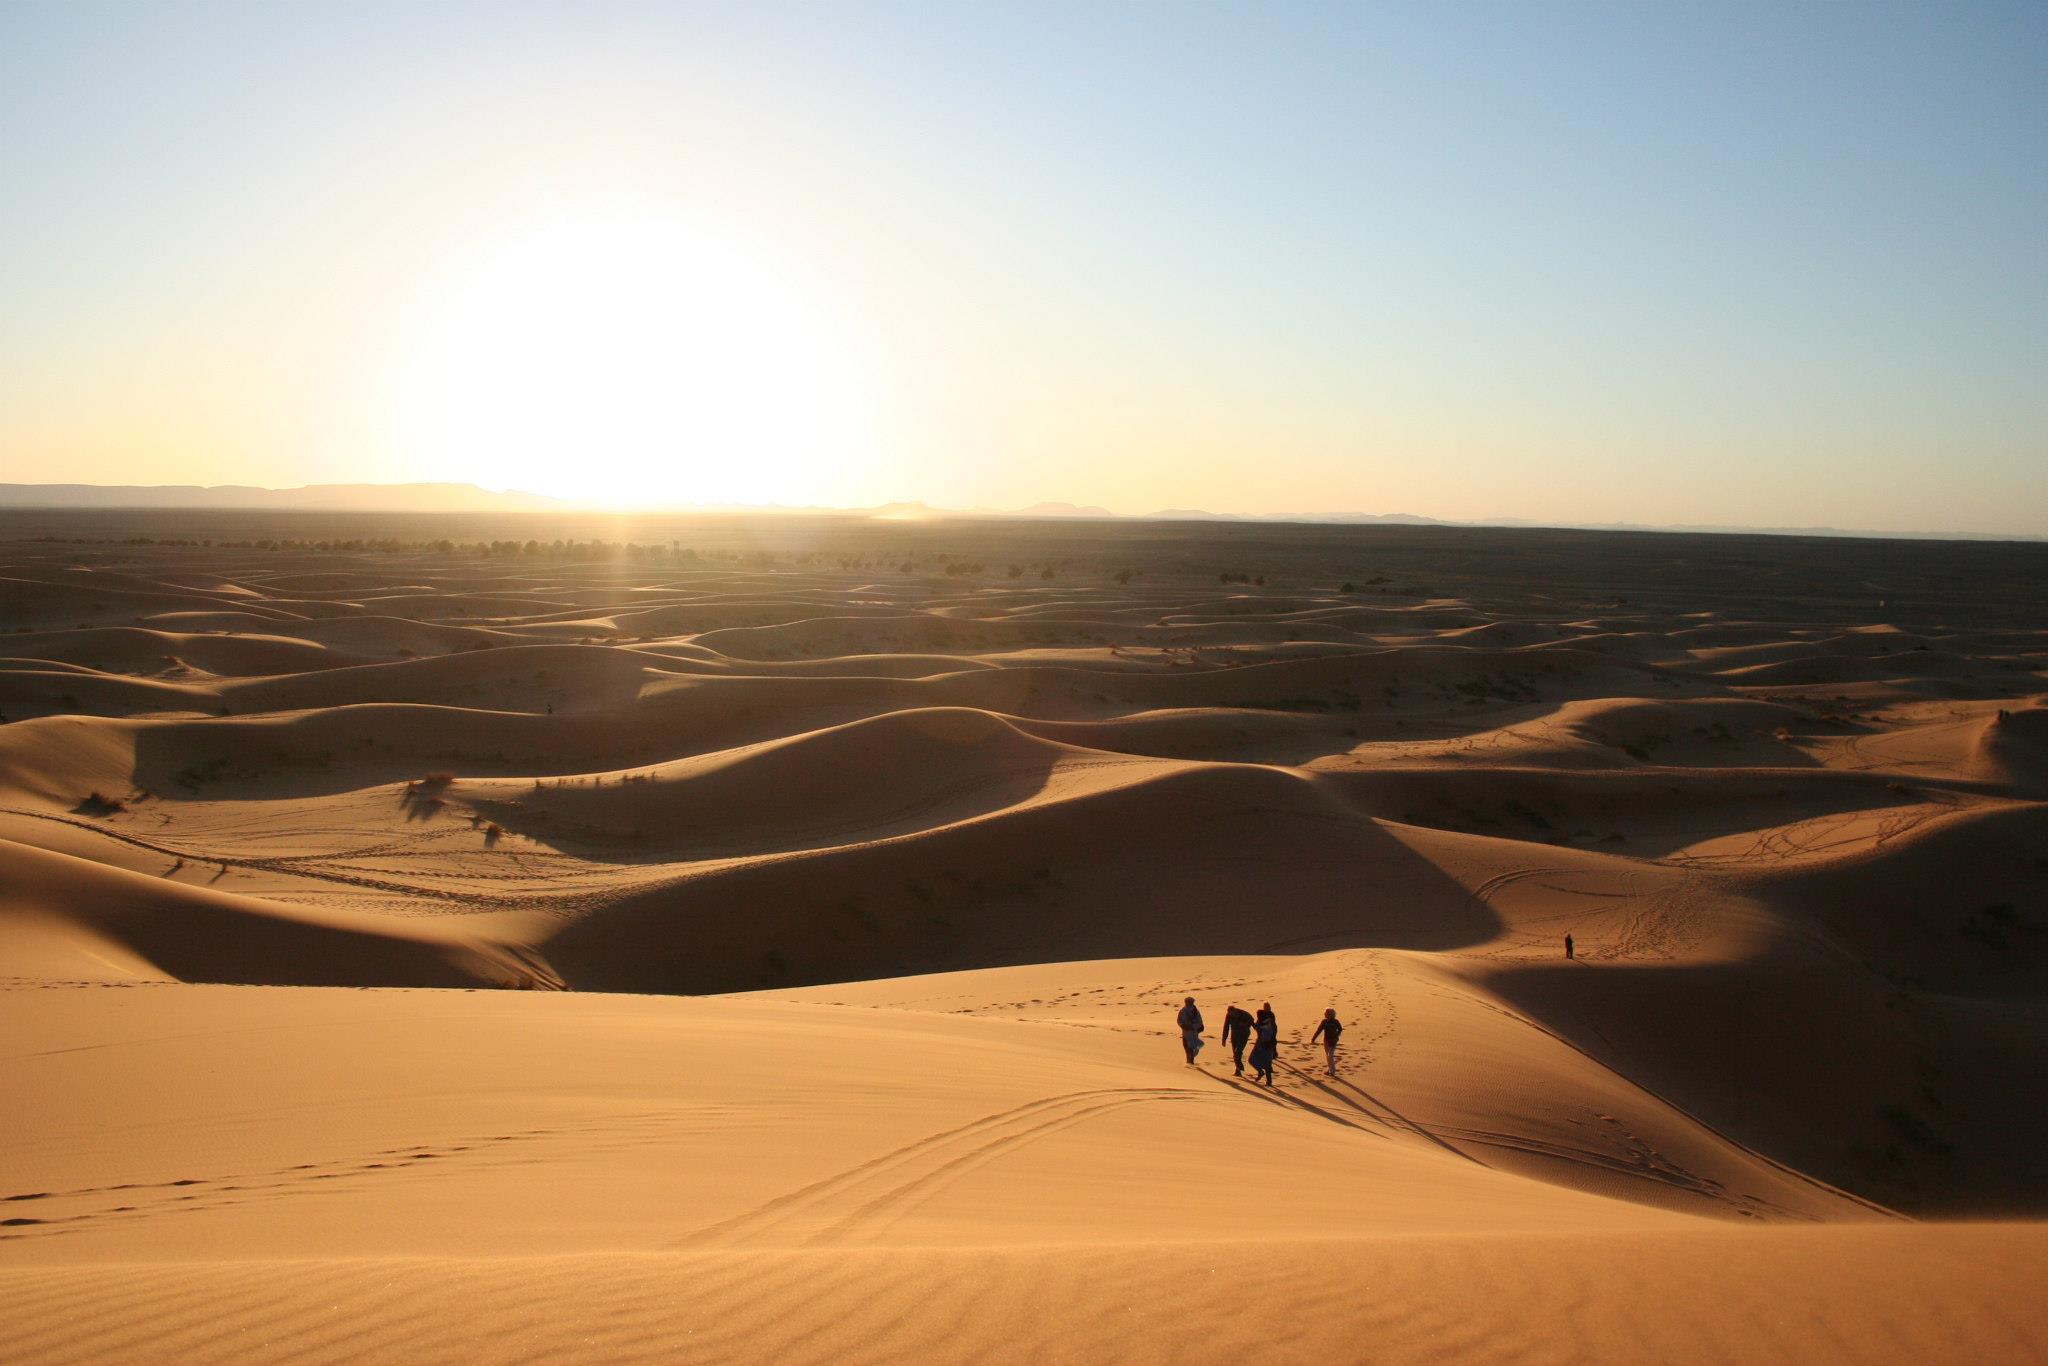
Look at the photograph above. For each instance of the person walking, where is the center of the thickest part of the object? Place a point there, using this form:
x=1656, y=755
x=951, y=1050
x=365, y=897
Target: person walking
x=1567, y=946
x=1190, y=1021
x=1265, y=1044
x=1328, y=1029
x=1237, y=1032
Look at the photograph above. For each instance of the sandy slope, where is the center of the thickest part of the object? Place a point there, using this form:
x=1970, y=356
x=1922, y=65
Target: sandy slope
x=962, y=842
x=441, y=1175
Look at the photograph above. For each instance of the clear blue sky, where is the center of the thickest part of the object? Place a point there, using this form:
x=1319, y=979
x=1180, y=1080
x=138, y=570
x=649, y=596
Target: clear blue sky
x=1764, y=264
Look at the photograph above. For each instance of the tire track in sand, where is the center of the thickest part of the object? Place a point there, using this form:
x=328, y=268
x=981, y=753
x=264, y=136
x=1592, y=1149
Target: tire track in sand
x=870, y=1195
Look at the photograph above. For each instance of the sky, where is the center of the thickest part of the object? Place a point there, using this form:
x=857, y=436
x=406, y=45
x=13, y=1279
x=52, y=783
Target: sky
x=1753, y=264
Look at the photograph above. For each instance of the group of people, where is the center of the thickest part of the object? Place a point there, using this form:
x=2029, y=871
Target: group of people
x=1261, y=1031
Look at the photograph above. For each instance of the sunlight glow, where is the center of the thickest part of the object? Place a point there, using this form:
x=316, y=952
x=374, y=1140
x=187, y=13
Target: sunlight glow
x=632, y=363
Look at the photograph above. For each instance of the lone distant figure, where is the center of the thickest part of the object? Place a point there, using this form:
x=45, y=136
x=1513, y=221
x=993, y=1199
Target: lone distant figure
x=1190, y=1021
x=1237, y=1032
x=1328, y=1029
x=1568, y=946
x=1265, y=1045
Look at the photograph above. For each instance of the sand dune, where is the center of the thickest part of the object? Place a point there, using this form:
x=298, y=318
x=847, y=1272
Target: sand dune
x=852, y=903
x=169, y=654
x=912, y=1182
x=68, y=919
x=2011, y=748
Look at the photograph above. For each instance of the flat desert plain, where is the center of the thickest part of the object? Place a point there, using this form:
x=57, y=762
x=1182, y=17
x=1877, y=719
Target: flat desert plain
x=760, y=939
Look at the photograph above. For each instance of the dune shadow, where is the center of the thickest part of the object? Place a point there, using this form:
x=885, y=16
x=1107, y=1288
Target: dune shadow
x=1204, y=861
x=1737, y=1046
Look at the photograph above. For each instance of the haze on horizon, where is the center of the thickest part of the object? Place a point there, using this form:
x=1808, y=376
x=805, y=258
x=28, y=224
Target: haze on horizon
x=1743, y=264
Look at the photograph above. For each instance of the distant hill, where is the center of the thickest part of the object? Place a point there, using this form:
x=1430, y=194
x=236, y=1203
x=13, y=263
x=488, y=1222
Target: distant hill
x=1053, y=510
x=313, y=497
x=1319, y=518
x=470, y=498
x=1722, y=529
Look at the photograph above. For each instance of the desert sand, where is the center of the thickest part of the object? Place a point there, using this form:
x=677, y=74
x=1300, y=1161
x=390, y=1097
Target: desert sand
x=763, y=943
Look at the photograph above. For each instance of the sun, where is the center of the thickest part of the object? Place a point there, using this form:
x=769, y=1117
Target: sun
x=632, y=363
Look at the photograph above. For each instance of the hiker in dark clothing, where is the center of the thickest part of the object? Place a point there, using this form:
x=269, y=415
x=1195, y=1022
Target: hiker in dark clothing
x=1237, y=1032
x=1328, y=1029
x=1190, y=1021
x=1266, y=1044
x=1568, y=946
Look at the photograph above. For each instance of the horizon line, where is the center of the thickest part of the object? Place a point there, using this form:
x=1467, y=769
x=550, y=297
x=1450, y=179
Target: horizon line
x=526, y=502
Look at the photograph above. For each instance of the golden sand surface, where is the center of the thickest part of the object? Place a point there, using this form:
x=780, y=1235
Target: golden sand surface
x=763, y=943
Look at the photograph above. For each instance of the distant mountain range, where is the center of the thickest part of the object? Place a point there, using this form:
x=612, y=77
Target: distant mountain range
x=313, y=497
x=470, y=498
